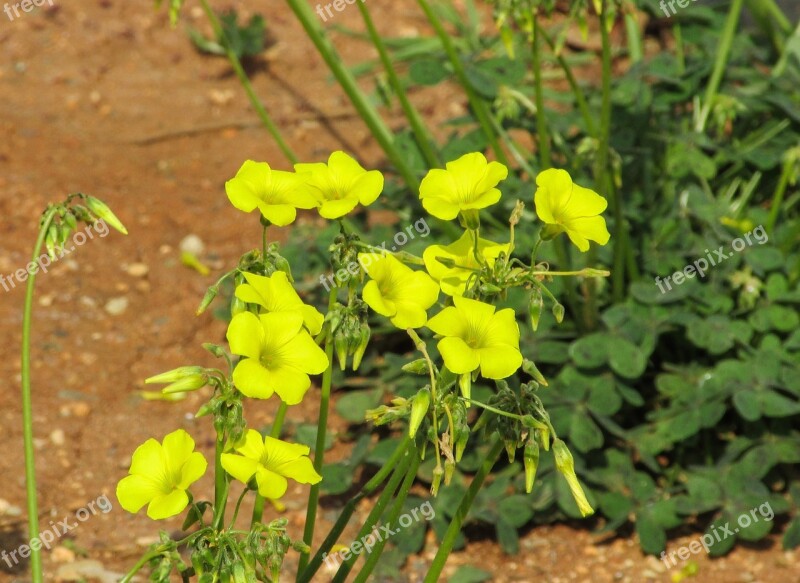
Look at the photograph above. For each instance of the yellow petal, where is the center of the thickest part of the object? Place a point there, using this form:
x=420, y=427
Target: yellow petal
x=167, y=505
x=499, y=362
x=270, y=484
x=457, y=356
x=253, y=380
x=134, y=491
x=448, y=322
x=240, y=467
x=245, y=335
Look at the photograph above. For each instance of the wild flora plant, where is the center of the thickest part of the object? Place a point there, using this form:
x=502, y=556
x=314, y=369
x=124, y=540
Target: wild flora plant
x=276, y=343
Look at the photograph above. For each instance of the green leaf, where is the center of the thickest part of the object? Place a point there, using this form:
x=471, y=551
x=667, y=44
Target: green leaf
x=625, y=358
x=604, y=398
x=652, y=537
x=336, y=478
x=590, y=351
x=748, y=404
x=428, y=72
x=306, y=433
x=470, y=574
x=515, y=509
x=353, y=406
x=791, y=538
x=507, y=537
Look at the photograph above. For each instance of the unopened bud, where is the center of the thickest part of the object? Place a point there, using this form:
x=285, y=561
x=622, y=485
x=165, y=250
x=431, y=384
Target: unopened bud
x=535, y=306
x=558, y=312
x=281, y=264
x=566, y=467
x=449, y=470
x=446, y=261
x=174, y=375
x=419, y=366
x=191, y=383
x=438, y=473
x=531, y=462
x=342, y=346
x=530, y=368
x=102, y=212
x=211, y=293
x=50, y=242
x=237, y=306
x=358, y=353
x=511, y=450
x=465, y=384
x=420, y=404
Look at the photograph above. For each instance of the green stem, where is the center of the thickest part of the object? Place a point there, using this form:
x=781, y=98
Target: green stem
x=377, y=510
x=412, y=115
x=27, y=404
x=397, y=456
x=721, y=62
x=453, y=530
x=380, y=131
x=780, y=191
x=479, y=107
x=543, y=138
x=322, y=426
x=221, y=484
x=277, y=426
x=219, y=32
x=394, y=514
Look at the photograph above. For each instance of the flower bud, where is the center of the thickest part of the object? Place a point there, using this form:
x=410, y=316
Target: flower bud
x=420, y=404
x=446, y=261
x=174, y=375
x=558, y=312
x=358, y=353
x=438, y=472
x=69, y=221
x=102, y=212
x=281, y=264
x=191, y=383
x=449, y=470
x=211, y=293
x=50, y=242
x=535, y=305
x=342, y=346
x=465, y=384
x=529, y=367
x=237, y=306
x=419, y=366
x=531, y=461
x=511, y=450
x=566, y=467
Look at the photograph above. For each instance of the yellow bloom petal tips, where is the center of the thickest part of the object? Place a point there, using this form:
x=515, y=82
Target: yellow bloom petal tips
x=276, y=294
x=565, y=206
x=397, y=291
x=160, y=474
x=279, y=355
x=477, y=336
x=468, y=183
x=270, y=461
x=277, y=194
x=341, y=184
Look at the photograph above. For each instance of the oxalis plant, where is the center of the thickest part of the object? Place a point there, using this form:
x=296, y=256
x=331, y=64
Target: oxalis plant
x=276, y=342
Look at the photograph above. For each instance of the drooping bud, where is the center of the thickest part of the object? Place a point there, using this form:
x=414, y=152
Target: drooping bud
x=420, y=404
x=535, y=306
x=174, y=375
x=566, y=467
x=531, y=462
x=190, y=383
x=449, y=470
x=50, y=242
x=419, y=366
x=342, y=346
x=211, y=293
x=530, y=368
x=511, y=450
x=558, y=312
x=438, y=473
x=102, y=212
x=358, y=354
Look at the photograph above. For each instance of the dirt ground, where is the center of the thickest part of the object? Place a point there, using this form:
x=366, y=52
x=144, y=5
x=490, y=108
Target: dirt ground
x=101, y=96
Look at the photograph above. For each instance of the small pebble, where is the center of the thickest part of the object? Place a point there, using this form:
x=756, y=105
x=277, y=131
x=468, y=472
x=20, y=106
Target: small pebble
x=192, y=244
x=137, y=269
x=62, y=554
x=57, y=437
x=117, y=306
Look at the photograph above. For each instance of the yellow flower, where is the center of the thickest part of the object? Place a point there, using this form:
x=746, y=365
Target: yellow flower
x=277, y=194
x=160, y=474
x=453, y=280
x=397, y=291
x=276, y=294
x=477, y=336
x=271, y=461
x=468, y=184
x=340, y=184
x=279, y=353
x=568, y=207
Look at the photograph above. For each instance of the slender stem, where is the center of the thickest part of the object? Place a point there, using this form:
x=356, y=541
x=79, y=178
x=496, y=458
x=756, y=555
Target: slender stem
x=238, y=504
x=219, y=32
x=277, y=426
x=394, y=514
x=221, y=484
x=446, y=546
x=580, y=97
x=680, y=53
x=721, y=62
x=368, y=488
x=780, y=191
x=27, y=404
x=322, y=426
x=543, y=137
x=377, y=510
x=414, y=119
x=478, y=106
x=380, y=131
